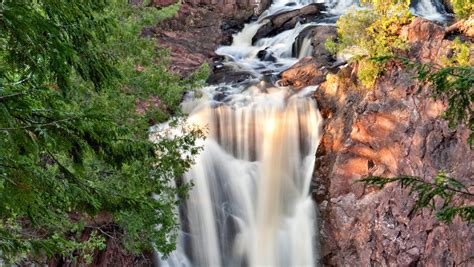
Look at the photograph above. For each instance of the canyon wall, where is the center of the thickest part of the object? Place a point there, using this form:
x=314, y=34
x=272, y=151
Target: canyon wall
x=391, y=130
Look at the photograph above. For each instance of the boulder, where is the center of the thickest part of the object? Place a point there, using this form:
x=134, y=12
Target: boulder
x=307, y=71
x=266, y=55
x=423, y=30
x=427, y=41
x=280, y=22
x=226, y=74
x=464, y=27
x=318, y=35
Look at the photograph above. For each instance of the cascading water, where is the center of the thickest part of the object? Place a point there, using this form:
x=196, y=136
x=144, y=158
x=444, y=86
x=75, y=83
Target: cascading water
x=429, y=9
x=250, y=204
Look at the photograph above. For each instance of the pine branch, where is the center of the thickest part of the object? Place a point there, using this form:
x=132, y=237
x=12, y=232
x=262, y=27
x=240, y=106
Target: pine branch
x=38, y=124
x=381, y=181
x=452, y=192
x=5, y=97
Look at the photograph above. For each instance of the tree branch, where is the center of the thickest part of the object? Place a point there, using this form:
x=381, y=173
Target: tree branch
x=4, y=97
x=38, y=125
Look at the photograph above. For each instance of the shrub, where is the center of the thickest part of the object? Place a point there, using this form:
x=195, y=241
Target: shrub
x=460, y=56
x=375, y=32
x=73, y=147
x=463, y=8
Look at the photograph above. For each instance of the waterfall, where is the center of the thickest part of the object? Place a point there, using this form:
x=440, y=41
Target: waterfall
x=306, y=48
x=429, y=9
x=250, y=204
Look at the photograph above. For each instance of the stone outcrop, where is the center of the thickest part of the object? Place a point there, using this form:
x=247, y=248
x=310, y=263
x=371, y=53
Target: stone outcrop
x=311, y=70
x=427, y=41
x=318, y=35
x=280, y=22
x=391, y=130
x=307, y=71
x=464, y=27
x=225, y=74
x=163, y=3
x=234, y=6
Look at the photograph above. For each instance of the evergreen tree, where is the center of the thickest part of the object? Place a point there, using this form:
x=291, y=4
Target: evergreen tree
x=72, y=145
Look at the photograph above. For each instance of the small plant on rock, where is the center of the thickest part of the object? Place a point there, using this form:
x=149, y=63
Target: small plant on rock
x=369, y=33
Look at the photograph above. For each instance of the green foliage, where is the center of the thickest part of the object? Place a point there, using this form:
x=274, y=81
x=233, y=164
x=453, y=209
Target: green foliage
x=368, y=72
x=73, y=147
x=457, y=85
x=445, y=195
x=374, y=32
x=463, y=8
x=198, y=78
x=461, y=52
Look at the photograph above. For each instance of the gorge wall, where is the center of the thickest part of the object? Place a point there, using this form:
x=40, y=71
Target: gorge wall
x=391, y=130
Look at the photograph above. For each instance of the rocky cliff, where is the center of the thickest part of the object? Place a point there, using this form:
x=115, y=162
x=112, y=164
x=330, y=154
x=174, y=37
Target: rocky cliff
x=391, y=130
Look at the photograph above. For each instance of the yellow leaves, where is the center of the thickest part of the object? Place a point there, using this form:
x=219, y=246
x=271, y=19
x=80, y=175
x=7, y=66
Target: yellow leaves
x=368, y=71
x=463, y=8
x=376, y=31
x=461, y=55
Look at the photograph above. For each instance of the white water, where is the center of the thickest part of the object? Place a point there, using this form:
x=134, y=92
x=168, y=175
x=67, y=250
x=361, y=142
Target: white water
x=250, y=204
x=429, y=9
x=306, y=48
x=243, y=55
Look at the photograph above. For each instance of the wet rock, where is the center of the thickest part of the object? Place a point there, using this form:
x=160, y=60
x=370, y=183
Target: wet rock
x=318, y=35
x=199, y=27
x=229, y=28
x=226, y=74
x=266, y=55
x=447, y=6
x=307, y=71
x=286, y=20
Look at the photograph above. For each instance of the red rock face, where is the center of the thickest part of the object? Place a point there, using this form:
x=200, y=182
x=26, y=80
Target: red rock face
x=308, y=71
x=388, y=131
x=196, y=31
x=163, y=3
x=427, y=40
